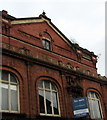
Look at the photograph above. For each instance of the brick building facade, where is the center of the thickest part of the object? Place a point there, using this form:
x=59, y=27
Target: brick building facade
x=43, y=71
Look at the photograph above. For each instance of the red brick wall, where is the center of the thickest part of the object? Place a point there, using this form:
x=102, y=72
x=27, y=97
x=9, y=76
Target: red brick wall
x=29, y=71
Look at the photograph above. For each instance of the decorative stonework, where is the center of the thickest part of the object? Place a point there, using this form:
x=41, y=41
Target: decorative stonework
x=74, y=86
x=51, y=60
x=79, y=55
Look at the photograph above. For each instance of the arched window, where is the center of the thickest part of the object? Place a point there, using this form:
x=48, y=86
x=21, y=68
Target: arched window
x=94, y=105
x=8, y=92
x=48, y=98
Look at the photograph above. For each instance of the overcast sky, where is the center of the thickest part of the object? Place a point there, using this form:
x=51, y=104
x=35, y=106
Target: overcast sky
x=80, y=20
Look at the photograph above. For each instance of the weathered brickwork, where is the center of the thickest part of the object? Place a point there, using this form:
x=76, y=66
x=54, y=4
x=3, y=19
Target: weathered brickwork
x=71, y=68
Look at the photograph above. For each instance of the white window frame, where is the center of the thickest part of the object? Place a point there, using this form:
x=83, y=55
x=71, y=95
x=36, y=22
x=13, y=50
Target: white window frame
x=9, y=83
x=95, y=99
x=49, y=90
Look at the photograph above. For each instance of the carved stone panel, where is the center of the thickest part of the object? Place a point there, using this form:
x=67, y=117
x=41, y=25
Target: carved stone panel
x=74, y=86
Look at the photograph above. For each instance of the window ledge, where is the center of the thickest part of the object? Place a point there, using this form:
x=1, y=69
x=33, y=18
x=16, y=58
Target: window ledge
x=9, y=115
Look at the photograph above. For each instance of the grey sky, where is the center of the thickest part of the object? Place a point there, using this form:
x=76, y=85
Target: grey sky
x=80, y=20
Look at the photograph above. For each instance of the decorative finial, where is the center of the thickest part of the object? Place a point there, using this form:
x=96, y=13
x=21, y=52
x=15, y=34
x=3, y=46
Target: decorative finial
x=44, y=13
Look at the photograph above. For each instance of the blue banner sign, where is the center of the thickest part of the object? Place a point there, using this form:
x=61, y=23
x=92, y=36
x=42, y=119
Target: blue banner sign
x=80, y=107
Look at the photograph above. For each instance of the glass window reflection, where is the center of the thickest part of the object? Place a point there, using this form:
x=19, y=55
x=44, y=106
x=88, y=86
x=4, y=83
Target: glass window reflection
x=48, y=98
x=94, y=105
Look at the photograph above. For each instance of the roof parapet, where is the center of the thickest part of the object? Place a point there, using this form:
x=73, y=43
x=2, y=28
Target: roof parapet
x=5, y=15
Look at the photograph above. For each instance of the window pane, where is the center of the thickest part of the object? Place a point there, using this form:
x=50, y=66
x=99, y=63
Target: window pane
x=89, y=94
x=14, y=98
x=47, y=45
x=96, y=96
x=5, y=105
x=43, y=42
x=47, y=84
x=4, y=75
x=97, y=108
x=55, y=103
x=12, y=78
x=48, y=102
x=92, y=106
x=41, y=101
x=91, y=110
x=53, y=86
x=40, y=85
x=92, y=94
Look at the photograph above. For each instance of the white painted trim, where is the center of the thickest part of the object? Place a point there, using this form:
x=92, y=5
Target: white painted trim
x=26, y=21
x=4, y=20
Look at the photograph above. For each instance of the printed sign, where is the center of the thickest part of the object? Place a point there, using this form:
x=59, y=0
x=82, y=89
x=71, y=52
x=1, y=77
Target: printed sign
x=80, y=107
